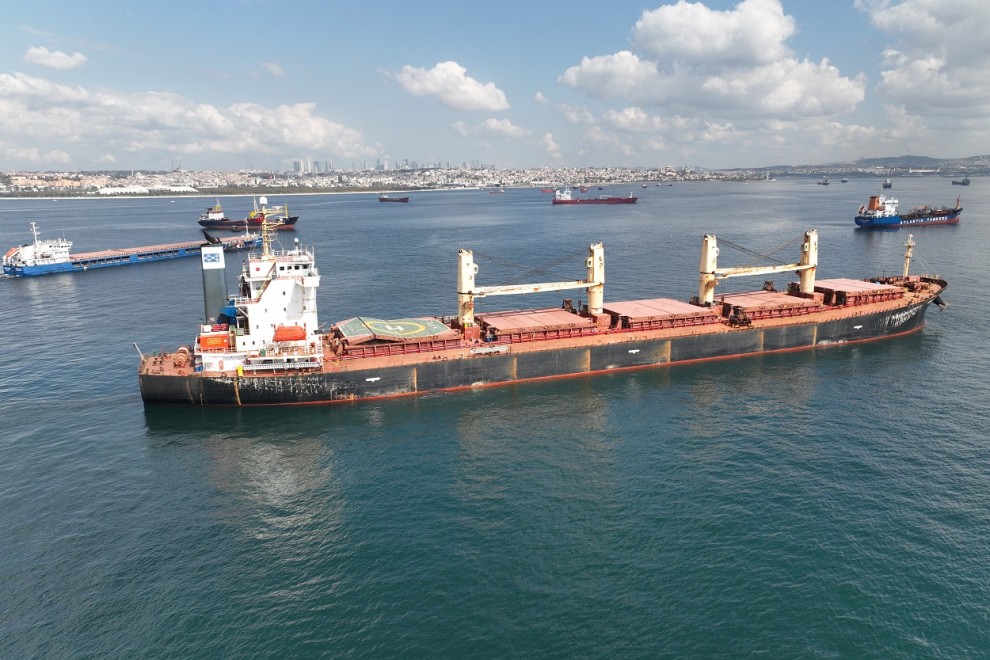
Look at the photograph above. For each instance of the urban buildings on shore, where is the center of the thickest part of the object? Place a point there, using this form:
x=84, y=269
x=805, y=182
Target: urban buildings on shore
x=312, y=179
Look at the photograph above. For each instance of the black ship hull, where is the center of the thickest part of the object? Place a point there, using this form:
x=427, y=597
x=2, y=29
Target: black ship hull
x=501, y=367
x=241, y=225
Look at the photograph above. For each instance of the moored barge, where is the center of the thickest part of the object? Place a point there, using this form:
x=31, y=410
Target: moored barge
x=252, y=352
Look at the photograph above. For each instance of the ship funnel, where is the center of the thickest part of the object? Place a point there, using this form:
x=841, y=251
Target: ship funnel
x=214, y=281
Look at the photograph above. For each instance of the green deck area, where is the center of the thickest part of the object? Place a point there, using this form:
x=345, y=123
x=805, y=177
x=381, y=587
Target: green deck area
x=360, y=329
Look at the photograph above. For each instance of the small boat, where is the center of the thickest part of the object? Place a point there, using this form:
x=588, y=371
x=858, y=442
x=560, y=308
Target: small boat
x=388, y=198
x=881, y=212
x=565, y=197
x=844, y=180
x=887, y=184
x=496, y=191
x=824, y=181
x=48, y=256
x=546, y=190
x=277, y=216
x=962, y=182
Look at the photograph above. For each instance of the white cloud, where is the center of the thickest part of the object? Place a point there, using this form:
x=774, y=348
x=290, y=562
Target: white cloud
x=934, y=63
x=540, y=98
x=551, y=148
x=54, y=59
x=605, y=76
x=33, y=156
x=36, y=110
x=577, y=115
x=450, y=84
x=273, y=69
x=634, y=120
x=697, y=76
x=787, y=87
x=491, y=128
x=752, y=33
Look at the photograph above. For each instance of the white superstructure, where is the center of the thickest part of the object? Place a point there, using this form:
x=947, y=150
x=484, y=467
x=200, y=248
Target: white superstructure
x=271, y=322
x=42, y=252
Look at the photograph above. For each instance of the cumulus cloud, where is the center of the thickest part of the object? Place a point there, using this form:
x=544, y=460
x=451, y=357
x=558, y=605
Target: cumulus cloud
x=491, y=127
x=36, y=110
x=634, y=120
x=551, y=148
x=449, y=83
x=273, y=69
x=54, y=59
x=931, y=64
x=605, y=76
x=732, y=62
x=695, y=76
x=34, y=156
x=753, y=33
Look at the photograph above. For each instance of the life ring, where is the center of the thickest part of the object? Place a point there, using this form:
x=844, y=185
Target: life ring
x=220, y=365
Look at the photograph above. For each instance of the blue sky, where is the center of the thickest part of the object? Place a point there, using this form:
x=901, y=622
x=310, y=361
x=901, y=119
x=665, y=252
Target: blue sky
x=219, y=84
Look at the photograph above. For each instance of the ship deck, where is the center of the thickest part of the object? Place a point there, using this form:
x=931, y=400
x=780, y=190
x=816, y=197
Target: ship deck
x=525, y=331
x=147, y=249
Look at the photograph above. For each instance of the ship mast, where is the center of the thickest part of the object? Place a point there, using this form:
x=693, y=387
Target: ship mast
x=711, y=273
x=467, y=291
x=909, y=245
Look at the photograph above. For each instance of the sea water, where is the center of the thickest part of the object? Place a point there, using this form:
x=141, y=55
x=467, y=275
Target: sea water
x=827, y=503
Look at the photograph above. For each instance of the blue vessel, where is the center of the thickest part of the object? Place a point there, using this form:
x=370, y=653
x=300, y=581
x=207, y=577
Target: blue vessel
x=48, y=256
x=881, y=212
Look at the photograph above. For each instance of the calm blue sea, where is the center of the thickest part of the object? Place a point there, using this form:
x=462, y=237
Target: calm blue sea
x=824, y=504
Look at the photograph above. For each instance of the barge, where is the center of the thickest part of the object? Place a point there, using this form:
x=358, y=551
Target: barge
x=262, y=345
x=49, y=256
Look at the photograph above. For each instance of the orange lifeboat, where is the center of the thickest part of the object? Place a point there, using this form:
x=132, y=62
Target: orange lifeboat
x=289, y=333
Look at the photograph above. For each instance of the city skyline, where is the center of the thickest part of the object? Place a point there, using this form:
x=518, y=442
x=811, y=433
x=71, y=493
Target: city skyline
x=720, y=84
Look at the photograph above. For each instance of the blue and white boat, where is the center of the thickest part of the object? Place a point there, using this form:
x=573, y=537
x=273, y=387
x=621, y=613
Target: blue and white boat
x=48, y=256
x=881, y=212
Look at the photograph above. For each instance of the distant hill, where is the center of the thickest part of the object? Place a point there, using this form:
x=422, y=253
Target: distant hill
x=904, y=162
x=894, y=164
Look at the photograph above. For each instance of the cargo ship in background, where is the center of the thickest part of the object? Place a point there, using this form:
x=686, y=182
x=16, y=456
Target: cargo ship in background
x=263, y=345
x=565, y=197
x=881, y=212
x=278, y=216
x=49, y=256
x=390, y=198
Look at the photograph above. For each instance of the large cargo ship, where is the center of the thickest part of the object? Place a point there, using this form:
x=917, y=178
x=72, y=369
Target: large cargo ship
x=262, y=345
x=881, y=212
x=52, y=255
